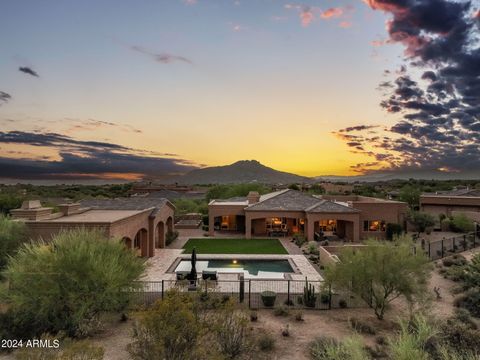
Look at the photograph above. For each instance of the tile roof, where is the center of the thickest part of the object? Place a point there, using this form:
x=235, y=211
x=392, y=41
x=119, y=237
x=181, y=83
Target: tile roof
x=330, y=207
x=284, y=200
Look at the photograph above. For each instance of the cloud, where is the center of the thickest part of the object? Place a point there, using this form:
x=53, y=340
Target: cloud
x=332, y=13
x=306, y=16
x=436, y=92
x=28, y=70
x=93, y=124
x=189, y=2
x=164, y=58
x=4, y=97
x=91, y=159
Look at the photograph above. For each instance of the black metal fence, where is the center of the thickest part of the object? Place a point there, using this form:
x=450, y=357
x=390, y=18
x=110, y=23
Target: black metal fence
x=444, y=247
x=251, y=293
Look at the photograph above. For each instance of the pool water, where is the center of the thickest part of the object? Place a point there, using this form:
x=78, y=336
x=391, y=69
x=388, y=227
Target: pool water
x=250, y=268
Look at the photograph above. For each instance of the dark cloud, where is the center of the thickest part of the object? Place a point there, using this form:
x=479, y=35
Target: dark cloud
x=164, y=58
x=28, y=70
x=85, y=158
x=357, y=128
x=4, y=97
x=440, y=109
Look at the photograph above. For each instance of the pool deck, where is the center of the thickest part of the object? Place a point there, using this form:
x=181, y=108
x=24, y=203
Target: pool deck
x=158, y=266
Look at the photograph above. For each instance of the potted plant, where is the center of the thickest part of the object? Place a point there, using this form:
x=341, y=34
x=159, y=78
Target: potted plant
x=268, y=298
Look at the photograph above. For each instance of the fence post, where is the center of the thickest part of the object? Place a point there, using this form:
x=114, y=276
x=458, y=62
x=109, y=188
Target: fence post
x=329, y=296
x=249, y=293
x=454, y=245
x=241, y=289
x=163, y=287
x=429, y=256
x=288, y=292
x=442, y=249
x=206, y=286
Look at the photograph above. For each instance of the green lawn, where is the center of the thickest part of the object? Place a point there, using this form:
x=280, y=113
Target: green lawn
x=234, y=246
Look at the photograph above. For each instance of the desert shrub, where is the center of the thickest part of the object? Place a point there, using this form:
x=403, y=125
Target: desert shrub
x=454, y=260
x=12, y=235
x=325, y=348
x=342, y=303
x=472, y=272
x=461, y=223
x=299, y=315
x=299, y=239
x=392, y=230
x=361, y=326
x=281, y=311
x=69, y=283
x=170, y=236
x=460, y=336
x=324, y=297
x=231, y=333
x=312, y=248
x=253, y=316
x=266, y=342
x=470, y=300
x=464, y=316
x=381, y=340
x=421, y=221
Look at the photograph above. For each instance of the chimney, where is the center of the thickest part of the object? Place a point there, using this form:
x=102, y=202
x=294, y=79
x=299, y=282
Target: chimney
x=253, y=197
x=31, y=210
x=69, y=209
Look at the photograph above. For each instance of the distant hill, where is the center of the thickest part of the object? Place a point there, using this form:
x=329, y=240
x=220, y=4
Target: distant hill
x=244, y=171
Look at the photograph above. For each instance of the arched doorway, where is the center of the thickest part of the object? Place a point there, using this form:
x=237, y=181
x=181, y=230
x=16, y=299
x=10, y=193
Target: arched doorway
x=160, y=235
x=140, y=242
x=127, y=242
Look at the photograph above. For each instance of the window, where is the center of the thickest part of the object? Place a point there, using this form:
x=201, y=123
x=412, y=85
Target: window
x=374, y=225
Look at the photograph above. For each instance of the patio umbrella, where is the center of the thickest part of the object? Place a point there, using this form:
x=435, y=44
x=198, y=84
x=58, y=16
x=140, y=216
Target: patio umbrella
x=193, y=271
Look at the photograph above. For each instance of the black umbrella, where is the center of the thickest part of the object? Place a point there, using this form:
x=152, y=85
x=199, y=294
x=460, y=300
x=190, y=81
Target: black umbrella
x=193, y=271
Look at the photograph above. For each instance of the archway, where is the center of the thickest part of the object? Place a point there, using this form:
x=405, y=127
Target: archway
x=170, y=224
x=140, y=242
x=127, y=242
x=160, y=235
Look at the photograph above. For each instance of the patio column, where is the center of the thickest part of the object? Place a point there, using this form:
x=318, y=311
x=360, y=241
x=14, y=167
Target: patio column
x=309, y=225
x=211, y=224
x=356, y=230
x=151, y=237
x=248, y=227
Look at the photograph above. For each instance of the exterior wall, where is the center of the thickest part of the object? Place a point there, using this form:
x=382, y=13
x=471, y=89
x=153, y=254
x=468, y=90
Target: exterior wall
x=390, y=212
x=222, y=210
x=47, y=230
x=261, y=227
x=446, y=205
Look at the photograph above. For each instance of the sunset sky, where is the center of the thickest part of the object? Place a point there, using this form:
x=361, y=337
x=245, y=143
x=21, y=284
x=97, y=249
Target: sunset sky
x=123, y=89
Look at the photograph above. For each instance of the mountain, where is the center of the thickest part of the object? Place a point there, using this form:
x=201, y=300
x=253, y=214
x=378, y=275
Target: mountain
x=244, y=171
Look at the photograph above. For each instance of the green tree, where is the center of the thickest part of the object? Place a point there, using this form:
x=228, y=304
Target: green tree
x=12, y=235
x=69, y=283
x=411, y=195
x=461, y=223
x=380, y=272
x=421, y=220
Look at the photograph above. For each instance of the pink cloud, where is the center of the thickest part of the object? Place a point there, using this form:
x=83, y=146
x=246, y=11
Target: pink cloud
x=306, y=16
x=345, y=24
x=332, y=13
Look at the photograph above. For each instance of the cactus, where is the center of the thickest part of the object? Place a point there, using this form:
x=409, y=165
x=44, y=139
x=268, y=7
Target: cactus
x=309, y=296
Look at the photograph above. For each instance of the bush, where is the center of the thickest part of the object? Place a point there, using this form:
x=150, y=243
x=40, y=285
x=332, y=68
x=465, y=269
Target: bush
x=325, y=348
x=68, y=284
x=12, y=235
x=361, y=326
x=281, y=311
x=268, y=298
x=266, y=342
x=454, y=260
x=299, y=315
x=324, y=297
x=253, y=316
x=232, y=333
x=312, y=248
x=470, y=300
x=392, y=230
x=342, y=303
x=461, y=223
x=459, y=336
x=299, y=239
x=170, y=236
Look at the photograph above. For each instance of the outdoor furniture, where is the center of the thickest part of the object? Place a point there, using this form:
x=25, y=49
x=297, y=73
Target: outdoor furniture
x=182, y=275
x=209, y=275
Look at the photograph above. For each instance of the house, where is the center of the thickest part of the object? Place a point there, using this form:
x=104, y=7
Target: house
x=466, y=201
x=287, y=212
x=140, y=223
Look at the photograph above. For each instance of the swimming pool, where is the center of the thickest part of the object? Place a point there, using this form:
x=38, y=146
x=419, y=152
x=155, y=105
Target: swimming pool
x=251, y=268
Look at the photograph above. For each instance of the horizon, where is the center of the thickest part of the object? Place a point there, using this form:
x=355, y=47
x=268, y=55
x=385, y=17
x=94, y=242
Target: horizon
x=126, y=92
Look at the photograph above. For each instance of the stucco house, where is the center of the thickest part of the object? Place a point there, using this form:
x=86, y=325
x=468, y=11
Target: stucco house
x=140, y=223
x=287, y=212
x=466, y=201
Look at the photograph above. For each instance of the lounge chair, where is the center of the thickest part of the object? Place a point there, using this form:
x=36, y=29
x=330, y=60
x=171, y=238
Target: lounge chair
x=209, y=275
x=182, y=275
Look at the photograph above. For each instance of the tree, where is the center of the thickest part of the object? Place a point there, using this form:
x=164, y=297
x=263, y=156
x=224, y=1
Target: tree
x=380, y=272
x=411, y=195
x=68, y=283
x=12, y=235
x=461, y=223
x=421, y=220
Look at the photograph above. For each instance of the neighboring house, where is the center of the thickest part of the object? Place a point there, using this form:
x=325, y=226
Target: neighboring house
x=140, y=223
x=287, y=212
x=450, y=203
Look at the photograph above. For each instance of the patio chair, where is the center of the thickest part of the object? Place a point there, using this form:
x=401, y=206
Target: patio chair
x=182, y=275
